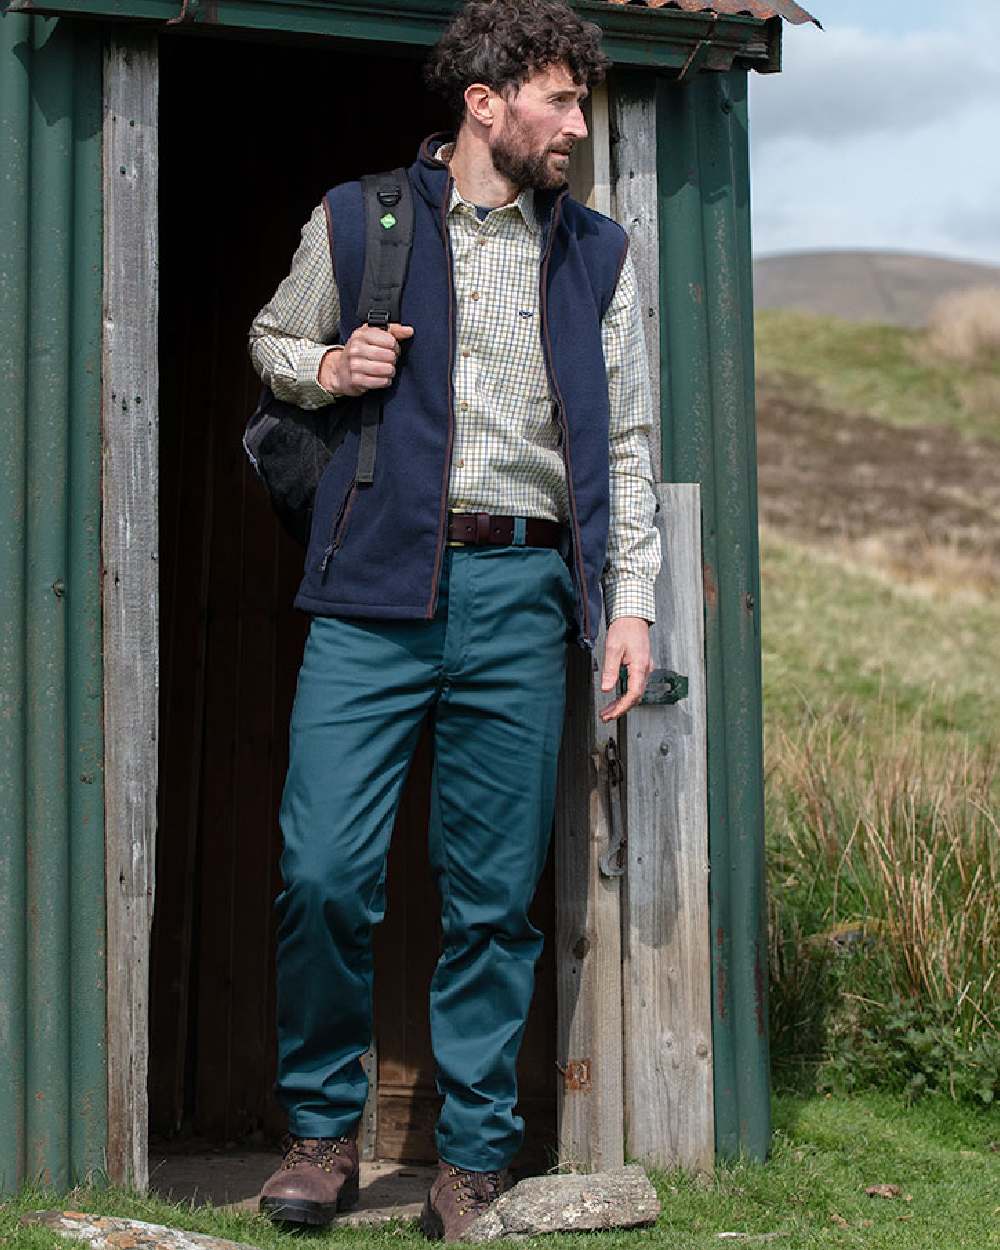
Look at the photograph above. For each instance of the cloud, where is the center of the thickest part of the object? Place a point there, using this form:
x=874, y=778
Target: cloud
x=875, y=140
x=847, y=83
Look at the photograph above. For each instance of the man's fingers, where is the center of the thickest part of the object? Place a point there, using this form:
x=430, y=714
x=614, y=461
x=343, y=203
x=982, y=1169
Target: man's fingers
x=372, y=355
x=384, y=347
x=629, y=699
x=612, y=663
x=638, y=679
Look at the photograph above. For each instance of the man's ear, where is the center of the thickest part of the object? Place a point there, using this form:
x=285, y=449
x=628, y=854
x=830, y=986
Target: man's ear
x=480, y=103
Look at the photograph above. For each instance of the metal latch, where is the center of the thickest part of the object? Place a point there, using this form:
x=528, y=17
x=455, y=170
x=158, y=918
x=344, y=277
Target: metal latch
x=612, y=862
x=664, y=686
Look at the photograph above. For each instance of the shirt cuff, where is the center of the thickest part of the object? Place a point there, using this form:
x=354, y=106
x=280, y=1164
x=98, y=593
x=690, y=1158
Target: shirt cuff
x=311, y=394
x=629, y=596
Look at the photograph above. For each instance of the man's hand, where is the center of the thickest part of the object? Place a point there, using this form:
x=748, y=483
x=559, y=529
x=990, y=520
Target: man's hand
x=366, y=362
x=627, y=643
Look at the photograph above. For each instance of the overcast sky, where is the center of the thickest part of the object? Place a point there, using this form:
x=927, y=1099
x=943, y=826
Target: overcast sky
x=883, y=130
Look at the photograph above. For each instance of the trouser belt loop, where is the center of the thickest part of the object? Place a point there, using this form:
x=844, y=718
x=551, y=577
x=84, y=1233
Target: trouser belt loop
x=520, y=530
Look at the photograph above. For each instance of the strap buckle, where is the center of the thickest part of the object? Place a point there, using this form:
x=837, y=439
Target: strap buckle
x=379, y=318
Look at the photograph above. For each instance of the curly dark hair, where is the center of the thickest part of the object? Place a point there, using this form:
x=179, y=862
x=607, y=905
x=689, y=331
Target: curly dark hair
x=503, y=42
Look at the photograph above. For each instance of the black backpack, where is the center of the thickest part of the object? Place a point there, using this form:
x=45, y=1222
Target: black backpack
x=289, y=447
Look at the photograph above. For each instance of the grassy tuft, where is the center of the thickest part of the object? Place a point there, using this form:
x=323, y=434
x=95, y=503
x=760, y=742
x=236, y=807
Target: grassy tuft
x=895, y=848
x=887, y=372
x=809, y=1196
x=964, y=327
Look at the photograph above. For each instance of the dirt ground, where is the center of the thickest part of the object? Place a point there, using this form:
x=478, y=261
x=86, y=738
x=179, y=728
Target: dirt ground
x=922, y=503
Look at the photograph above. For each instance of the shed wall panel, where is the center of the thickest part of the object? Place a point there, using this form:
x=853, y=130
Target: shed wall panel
x=53, y=1094
x=709, y=437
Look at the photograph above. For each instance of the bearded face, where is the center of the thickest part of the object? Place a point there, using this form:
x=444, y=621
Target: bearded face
x=528, y=161
x=539, y=125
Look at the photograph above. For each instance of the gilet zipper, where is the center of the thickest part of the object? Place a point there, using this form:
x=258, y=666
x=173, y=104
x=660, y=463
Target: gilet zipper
x=443, y=517
x=561, y=416
x=338, y=528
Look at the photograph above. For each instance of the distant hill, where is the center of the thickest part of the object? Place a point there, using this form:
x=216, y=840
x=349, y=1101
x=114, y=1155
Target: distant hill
x=897, y=288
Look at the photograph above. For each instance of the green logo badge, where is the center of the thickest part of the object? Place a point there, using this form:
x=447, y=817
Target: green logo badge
x=387, y=222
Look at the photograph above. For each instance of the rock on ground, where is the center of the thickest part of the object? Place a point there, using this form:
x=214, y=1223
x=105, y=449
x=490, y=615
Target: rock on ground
x=106, y=1232
x=617, y=1198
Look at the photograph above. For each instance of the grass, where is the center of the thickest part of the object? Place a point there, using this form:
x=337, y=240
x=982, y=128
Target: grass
x=811, y=1192
x=886, y=372
x=837, y=636
x=878, y=694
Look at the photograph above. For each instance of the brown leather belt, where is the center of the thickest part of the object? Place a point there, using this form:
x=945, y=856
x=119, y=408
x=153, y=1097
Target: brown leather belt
x=480, y=527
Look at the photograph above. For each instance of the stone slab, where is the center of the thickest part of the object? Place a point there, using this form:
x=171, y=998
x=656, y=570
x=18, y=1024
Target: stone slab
x=616, y=1198
x=114, y=1233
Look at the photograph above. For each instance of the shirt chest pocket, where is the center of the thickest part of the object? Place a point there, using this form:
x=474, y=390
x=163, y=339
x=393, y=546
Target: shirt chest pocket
x=513, y=364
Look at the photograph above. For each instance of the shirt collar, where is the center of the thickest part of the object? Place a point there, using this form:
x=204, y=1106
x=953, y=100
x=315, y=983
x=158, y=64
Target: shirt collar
x=525, y=202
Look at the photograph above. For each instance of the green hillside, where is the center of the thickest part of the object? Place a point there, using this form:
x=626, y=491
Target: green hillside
x=884, y=371
x=880, y=569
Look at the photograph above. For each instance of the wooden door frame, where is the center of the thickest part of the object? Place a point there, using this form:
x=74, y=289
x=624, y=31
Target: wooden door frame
x=129, y=541
x=615, y=171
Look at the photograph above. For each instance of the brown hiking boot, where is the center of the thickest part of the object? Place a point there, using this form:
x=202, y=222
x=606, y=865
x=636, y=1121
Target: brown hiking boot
x=318, y=1177
x=457, y=1199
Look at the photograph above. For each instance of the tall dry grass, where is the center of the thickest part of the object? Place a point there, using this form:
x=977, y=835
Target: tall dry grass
x=894, y=846
x=964, y=327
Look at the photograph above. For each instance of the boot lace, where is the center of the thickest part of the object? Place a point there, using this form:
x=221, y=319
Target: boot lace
x=315, y=1150
x=476, y=1190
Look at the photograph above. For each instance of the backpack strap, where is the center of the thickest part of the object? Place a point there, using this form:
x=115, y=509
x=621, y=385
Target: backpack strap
x=388, y=202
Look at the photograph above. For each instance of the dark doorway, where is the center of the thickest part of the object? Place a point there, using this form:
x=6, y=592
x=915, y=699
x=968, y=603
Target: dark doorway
x=250, y=138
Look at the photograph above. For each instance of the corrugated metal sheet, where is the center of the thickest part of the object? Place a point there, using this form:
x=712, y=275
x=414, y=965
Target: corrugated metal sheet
x=787, y=9
x=709, y=437
x=53, y=1100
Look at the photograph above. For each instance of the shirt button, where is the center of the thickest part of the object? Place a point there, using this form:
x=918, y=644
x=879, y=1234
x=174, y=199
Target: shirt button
x=460, y=463
x=474, y=295
x=466, y=353
x=464, y=406
x=481, y=241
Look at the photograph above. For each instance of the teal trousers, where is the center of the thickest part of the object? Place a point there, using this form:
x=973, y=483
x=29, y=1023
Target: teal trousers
x=489, y=672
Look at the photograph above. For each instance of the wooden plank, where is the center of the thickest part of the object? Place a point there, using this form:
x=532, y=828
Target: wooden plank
x=129, y=538
x=589, y=1108
x=588, y=934
x=669, y=1111
x=633, y=166
x=601, y=195
x=590, y=162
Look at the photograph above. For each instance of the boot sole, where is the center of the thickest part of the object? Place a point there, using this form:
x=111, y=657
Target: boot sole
x=301, y=1211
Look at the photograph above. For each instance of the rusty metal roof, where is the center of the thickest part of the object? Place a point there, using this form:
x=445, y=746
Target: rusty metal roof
x=787, y=9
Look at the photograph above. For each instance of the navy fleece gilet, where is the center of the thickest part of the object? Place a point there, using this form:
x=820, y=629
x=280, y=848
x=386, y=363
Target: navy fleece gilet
x=376, y=550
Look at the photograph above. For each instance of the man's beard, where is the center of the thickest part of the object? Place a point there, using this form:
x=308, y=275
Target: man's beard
x=522, y=168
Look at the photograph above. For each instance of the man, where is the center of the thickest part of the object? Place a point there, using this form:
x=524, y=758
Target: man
x=512, y=475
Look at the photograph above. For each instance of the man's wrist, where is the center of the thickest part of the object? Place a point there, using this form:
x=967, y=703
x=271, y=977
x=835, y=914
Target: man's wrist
x=327, y=375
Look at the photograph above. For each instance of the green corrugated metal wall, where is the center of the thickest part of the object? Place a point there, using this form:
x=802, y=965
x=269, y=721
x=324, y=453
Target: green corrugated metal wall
x=709, y=437
x=52, y=1002
x=53, y=1083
